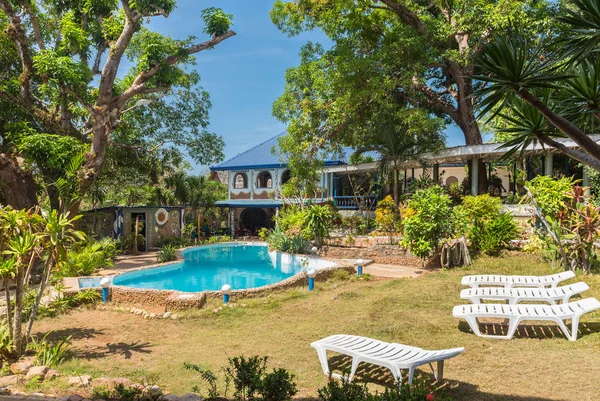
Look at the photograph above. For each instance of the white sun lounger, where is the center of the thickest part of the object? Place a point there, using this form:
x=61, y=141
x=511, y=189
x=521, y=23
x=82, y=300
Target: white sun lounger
x=389, y=355
x=519, y=313
x=516, y=295
x=487, y=280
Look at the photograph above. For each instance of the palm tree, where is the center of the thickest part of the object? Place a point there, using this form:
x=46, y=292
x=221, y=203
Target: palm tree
x=562, y=87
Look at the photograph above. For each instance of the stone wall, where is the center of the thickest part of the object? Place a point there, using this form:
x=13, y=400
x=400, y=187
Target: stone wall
x=384, y=254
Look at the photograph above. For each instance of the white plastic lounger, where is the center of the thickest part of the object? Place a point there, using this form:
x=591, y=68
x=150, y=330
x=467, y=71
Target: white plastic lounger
x=516, y=295
x=486, y=280
x=389, y=355
x=519, y=313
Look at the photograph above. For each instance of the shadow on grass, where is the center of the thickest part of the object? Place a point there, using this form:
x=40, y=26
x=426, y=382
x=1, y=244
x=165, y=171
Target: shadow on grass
x=123, y=349
x=537, y=331
x=75, y=333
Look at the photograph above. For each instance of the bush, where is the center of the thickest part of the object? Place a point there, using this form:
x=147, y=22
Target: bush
x=278, y=386
x=87, y=258
x=427, y=221
x=216, y=239
x=246, y=375
x=263, y=233
x=292, y=221
x=47, y=354
x=347, y=391
x=208, y=376
x=318, y=220
x=387, y=216
x=280, y=241
x=495, y=235
x=550, y=195
x=166, y=254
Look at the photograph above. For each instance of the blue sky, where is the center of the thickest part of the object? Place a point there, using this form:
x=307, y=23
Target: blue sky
x=244, y=74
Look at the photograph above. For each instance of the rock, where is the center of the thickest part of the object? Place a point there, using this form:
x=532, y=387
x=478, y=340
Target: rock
x=8, y=380
x=21, y=367
x=174, y=316
x=110, y=383
x=152, y=315
x=36, y=372
x=5, y=390
x=166, y=315
x=80, y=381
x=75, y=397
x=153, y=391
x=38, y=395
x=190, y=397
x=51, y=374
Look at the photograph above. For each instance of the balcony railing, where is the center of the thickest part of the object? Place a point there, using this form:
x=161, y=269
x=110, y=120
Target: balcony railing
x=355, y=202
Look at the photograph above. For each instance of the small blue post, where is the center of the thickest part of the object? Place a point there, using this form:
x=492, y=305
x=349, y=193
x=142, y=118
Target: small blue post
x=359, y=267
x=226, y=290
x=311, y=279
x=105, y=284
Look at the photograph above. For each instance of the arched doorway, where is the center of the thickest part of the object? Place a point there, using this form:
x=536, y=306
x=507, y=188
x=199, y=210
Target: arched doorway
x=253, y=219
x=285, y=177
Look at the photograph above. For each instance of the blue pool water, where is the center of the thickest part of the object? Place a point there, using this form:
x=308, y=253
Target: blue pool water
x=208, y=268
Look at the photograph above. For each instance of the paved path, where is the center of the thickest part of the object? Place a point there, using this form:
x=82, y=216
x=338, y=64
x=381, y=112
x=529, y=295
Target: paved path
x=128, y=262
x=391, y=271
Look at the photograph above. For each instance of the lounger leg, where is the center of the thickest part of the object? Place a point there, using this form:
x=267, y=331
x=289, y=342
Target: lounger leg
x=411, y=373
x=473, y=324
x=397, y=373
x=440, y=371
x=512, y=327
x=574, y=328
x=322, y=353
x=355, y=363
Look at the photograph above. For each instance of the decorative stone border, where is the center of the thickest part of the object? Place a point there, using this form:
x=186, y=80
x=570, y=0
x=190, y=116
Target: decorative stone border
x=173, y=300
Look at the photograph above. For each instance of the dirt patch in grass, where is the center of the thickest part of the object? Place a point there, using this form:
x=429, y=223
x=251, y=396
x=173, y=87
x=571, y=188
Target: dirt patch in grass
x=539, y=364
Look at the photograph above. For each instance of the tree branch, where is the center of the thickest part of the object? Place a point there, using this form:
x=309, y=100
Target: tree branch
x=138, y=86
x=407, y=16
x=574, y=153
x=36, y=28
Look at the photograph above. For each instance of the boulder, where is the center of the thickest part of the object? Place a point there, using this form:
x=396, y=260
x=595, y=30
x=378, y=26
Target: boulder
x=5, y=390
x=75, y=397
x=190, y=397
x=51, y=374
x=20, y=367
x=8, y=380
x=80, y=381
x=166, y=315
x=38, y=372
x=153, y=391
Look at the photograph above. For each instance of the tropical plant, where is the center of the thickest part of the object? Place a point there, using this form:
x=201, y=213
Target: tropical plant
x=47, y=354
x=494, y=235
x=166, y=254
x=209, y=377
x=278, y=386
x=85, y=259
x=427, y=221
x=318, y=220
x=547, y=88
x=246, y=375
x=387, y=217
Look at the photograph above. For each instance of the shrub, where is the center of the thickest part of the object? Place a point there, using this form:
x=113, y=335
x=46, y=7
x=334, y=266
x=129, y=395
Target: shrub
x=6, y=344
x=495, y=235
x=47, y=354
x=215, y=239
x=263, y=233
x=292, y=221
x=87, y=258
x=550, y=195
x=387, y=216
x=166, y=254
x=427, y=221
x=280, y=241
x=278, y=386
x=246, y=375
x=208, y=376
x=318, y=220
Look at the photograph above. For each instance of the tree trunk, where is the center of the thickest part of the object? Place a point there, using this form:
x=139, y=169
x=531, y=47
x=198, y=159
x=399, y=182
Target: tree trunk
x=7, y=295
x=17, y=187
x=38, y=298
x=17, y=334
x=395, y=184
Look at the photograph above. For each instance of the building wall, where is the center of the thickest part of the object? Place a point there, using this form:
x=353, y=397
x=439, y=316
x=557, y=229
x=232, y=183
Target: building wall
x=252, y=191
x=155, y=233
x=460, y=173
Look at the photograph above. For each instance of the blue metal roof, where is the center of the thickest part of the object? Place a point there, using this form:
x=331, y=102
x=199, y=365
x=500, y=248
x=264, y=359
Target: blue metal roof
x=263, y=156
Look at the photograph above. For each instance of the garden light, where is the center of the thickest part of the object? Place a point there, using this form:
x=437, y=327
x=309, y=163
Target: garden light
x=226, y=290
x=359, y=267
x=105, y=284
x=311, y=279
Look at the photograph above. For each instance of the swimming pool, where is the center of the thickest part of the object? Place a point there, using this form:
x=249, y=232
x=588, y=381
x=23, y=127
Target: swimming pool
x=209, y=267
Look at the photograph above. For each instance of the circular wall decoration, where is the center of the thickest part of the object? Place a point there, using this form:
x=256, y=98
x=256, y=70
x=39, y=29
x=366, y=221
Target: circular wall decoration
x=175, y=214
x=175, y=228
x=161, y=216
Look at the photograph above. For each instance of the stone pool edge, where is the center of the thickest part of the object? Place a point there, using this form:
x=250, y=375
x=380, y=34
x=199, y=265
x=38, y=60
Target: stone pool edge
x=173, y=300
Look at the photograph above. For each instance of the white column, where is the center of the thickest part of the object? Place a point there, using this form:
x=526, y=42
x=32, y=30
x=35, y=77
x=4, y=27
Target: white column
x=474, y=176
x=586, y=181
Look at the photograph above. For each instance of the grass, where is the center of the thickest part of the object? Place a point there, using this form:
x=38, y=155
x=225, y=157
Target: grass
x=539, y=364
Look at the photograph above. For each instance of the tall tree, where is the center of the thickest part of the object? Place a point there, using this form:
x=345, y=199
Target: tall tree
x=390, y=53
x=64, y=58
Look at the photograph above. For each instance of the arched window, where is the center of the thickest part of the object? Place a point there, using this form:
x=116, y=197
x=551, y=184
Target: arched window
x=285, y=177
x=240, y=181
x=264, y=180
x=451, y=180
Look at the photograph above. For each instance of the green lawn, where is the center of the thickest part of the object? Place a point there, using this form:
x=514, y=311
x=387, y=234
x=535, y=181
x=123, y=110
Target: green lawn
x=540, y=364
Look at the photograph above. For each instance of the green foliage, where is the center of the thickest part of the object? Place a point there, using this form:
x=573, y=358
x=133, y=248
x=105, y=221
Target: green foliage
x=216, y=21
x=494, y=235
x=427, y=221
x=263, y=233
x=278, y=386
x=215, y=239
x=119, y=393
x=85, y=259
x=7, y=347
x=318, y=220
x=208, y=376
x=387, y=216
x=166, y=254
x=293, y=243
x=48, y=354
x=246, y=375
x=292, y=221
x=350, y=391
x=550, y=195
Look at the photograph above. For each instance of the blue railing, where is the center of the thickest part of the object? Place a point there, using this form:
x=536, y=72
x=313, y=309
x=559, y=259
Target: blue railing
x=353, y=202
